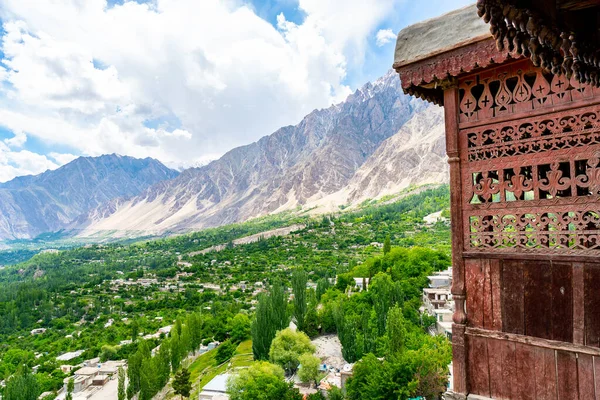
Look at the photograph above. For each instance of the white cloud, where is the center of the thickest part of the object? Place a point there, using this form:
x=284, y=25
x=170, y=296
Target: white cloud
x=62, y=158
x=18, y=140
x=23, y=162
x=90, y=77
x=384, y=36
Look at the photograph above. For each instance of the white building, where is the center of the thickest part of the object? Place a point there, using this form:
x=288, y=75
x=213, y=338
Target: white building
x=216, y=388
x=437, y=302
x=360, y=282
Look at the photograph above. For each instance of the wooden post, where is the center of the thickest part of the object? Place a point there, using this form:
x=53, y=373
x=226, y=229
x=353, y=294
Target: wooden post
x=458, y=267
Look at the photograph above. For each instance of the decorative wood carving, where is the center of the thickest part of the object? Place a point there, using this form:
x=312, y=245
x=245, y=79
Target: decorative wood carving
x=524, y=32
x=530, y=183
x=426, y=79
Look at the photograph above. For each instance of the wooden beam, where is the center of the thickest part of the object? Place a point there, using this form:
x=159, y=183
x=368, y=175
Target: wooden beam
x=533, y=341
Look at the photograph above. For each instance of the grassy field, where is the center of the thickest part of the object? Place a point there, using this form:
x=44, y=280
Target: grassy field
x=204, y=368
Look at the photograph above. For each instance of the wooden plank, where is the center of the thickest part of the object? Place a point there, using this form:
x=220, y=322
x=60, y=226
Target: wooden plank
x=566, y=368
x=474, y=280
x=592, y=304
x=501, y=356
x=495, y=278
x=479, y=378
x=488, y=316
x=585, y=376
x=578, y=304
x=512, y=297
x=524, y=388
x=538, y=342
x=596, y=361
x=562, y=302
x=545, y=374
x=537, y=278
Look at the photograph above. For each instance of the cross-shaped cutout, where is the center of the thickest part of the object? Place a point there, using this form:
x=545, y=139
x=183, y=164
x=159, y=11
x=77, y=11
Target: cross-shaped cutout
x=560, y=83
x=485, y=100
x=540, y=89
x=468, y=103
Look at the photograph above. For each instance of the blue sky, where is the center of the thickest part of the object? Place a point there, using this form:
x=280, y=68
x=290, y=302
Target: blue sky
x=182, y=81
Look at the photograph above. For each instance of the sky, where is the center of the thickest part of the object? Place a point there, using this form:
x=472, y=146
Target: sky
x=182, y=81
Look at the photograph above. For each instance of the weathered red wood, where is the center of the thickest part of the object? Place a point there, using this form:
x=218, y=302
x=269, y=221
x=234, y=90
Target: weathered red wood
x=578, y=303
x=512, y=297
x=500, y=388
x=478, y=366
x=453, y=62
x=459, y=352
x=502, y=364
x=545, y=374
x=525, y=365
x=524, y=154
x=533, y=341
x=495, y=278
x=592, y=304
x=596, y=362
x=488, y=307
x=474, y=281
x=585, y=375
x=562, y=302
x=537, y=302
x=566, y=364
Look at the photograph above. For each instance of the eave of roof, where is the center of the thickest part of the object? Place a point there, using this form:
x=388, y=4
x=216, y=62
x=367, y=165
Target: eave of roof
x=438, y=35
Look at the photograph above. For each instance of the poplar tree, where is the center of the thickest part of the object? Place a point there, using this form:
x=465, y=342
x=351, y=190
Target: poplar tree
x=22, y=386
x=387, y=245
x=270, y=317
x=121, y=394
x=299, y=280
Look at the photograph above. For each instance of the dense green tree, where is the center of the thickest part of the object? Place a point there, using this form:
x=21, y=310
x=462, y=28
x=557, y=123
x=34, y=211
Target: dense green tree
x=270, y=316
x=70, y=389
x=299, y=281
x=134, y=329
x=287, y=347
x=309, y=368
x=335, y=393
x=322, y=286
x=121, y=393
x=385, y=294
x=387, y=245
x=149, y=378
x=175, y=350
x=261, y=381
x=163, y=361
x=21, y=386
x=396, y=330
x=240, y=328
x=225, y=351
x=134, y=369
x=181, y=383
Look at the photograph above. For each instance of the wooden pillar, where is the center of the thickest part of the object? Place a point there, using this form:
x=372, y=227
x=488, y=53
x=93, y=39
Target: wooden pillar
x=459, y=355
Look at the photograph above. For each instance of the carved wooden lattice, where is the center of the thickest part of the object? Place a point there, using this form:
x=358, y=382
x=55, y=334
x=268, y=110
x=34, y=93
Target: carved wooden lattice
x=530, y=156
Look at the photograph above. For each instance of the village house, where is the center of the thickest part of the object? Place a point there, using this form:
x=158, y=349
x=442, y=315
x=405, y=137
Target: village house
x=216, y=388
x=437, y=302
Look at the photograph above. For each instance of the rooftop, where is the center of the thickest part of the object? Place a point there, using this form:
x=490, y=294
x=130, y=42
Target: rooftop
x=440, y=34
x=217, y=384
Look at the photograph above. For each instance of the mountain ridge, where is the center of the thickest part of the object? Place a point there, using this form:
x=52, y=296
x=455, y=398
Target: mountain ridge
x=47, y=202
x=296, y=166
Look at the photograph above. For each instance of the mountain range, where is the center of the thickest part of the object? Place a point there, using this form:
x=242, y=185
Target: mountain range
x=375, y=143
x=31, y=205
